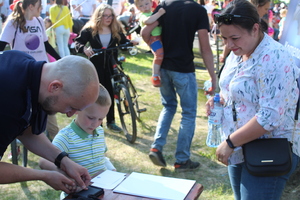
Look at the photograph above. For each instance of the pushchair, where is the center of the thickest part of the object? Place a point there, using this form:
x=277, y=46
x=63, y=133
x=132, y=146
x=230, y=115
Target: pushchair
x=130, y=25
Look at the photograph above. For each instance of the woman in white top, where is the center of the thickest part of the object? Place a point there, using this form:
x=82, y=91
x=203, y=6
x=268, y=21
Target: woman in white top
x=25, y=31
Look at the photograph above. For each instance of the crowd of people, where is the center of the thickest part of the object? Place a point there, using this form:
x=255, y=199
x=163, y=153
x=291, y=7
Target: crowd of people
x=258, y=80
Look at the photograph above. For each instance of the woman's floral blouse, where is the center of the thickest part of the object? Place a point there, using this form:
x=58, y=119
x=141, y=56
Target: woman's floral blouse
x=264, y=86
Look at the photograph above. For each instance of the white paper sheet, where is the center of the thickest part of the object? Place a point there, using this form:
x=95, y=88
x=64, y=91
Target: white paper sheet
x=157, y=187
x=108, y=179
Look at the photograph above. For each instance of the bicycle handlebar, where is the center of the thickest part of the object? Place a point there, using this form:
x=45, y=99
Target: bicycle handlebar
x=121, y=46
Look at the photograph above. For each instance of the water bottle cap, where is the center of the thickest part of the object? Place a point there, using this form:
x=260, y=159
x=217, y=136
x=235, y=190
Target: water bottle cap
x=217, y=97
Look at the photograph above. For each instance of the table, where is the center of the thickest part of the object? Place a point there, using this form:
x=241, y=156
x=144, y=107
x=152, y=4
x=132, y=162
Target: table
x=194, y=194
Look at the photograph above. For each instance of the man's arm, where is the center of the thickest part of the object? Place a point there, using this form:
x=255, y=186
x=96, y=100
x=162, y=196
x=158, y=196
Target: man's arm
x=207, y=56
x=40, y=145
x=146, y=31
x=155, y=16
x=10, y=173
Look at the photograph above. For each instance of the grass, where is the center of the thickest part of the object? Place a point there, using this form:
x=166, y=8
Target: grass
x=134, y=157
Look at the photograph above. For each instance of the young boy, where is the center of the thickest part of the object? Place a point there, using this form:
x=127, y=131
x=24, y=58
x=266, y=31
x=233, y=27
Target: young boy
x=83, y=139
x=154, y=40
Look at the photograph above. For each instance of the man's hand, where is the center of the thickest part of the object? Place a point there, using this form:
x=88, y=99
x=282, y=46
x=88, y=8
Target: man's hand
x=76, y=172
x=58, y=181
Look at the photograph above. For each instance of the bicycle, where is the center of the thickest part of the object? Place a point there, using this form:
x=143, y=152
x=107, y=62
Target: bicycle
x=125, y=94
x=14, y=153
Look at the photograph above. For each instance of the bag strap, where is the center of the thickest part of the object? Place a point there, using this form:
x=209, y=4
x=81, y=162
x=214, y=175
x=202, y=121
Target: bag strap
x=57, y=18
x=297, y=111
x=13, y=42
x=298, y=102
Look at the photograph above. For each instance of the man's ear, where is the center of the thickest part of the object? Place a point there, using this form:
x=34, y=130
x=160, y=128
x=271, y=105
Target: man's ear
x=55, y=86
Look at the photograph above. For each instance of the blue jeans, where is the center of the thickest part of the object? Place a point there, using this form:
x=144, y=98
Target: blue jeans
x=248, y=187
x=185, y=85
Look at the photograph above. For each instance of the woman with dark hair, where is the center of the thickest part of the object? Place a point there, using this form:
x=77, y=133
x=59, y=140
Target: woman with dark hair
x=258, y=86
x=102, y=31
x=262, y=7
x=62, y=23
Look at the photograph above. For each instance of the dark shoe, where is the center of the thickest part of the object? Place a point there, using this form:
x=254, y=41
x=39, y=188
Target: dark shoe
x=188, y=165
x=148, y=52
x=157, y=158
x=113, y=127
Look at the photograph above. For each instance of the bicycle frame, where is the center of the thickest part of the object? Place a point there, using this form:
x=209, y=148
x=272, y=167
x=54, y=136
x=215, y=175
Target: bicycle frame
x=125, y=94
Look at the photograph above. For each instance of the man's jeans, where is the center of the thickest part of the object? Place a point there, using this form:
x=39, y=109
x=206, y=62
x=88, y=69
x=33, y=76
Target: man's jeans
x=185, y=85
x=248, y=187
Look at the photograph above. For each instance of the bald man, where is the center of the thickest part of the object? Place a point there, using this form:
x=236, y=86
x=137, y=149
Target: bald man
x=31, y=90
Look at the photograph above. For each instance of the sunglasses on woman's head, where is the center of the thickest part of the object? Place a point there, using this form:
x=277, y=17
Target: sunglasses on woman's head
x=228, y=18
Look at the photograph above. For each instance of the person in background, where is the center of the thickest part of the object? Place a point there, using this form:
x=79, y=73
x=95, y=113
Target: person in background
x=275, y=22
x=102, y=31
x=51, y=3
x=25, y=31
x=283, y=13
x=44, y=9
x=178, y=77
x=31, y=38
x=118, y=6
x=75, y=8
x=85, y=131
x=52, y=41
x=86, y=9
x=259, y=83
x=154, y=5
x=40, y=89
x=201, y=2
x=209, y=6
x=61, y=18
x=154, y=38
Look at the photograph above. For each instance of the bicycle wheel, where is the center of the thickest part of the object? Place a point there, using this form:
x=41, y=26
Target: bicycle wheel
x=126, y=113
x=134, y=97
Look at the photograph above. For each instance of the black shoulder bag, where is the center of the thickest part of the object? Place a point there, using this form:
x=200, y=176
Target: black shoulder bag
x=269, y=157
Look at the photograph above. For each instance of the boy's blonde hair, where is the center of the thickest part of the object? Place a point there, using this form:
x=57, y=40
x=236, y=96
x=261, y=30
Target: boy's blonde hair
x=138, y=1
x=104, y=97
x=283, y=11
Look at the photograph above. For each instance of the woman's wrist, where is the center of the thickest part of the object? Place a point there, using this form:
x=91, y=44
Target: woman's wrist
x=229, y=143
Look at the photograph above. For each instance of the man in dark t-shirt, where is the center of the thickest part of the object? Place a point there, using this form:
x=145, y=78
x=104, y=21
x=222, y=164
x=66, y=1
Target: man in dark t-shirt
x=32, y=89
x=183, y=18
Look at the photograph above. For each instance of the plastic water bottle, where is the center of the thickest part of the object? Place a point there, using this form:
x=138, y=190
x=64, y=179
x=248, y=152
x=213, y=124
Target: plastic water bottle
x=215, y=123
x=207, y=87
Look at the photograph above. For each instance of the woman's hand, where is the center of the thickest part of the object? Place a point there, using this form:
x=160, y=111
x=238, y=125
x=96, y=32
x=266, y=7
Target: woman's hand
x=223, y=152
x=88, y=51
x=209, y=105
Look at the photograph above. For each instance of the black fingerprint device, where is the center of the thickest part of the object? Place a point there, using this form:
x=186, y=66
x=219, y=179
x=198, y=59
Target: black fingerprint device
x=92, y=192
